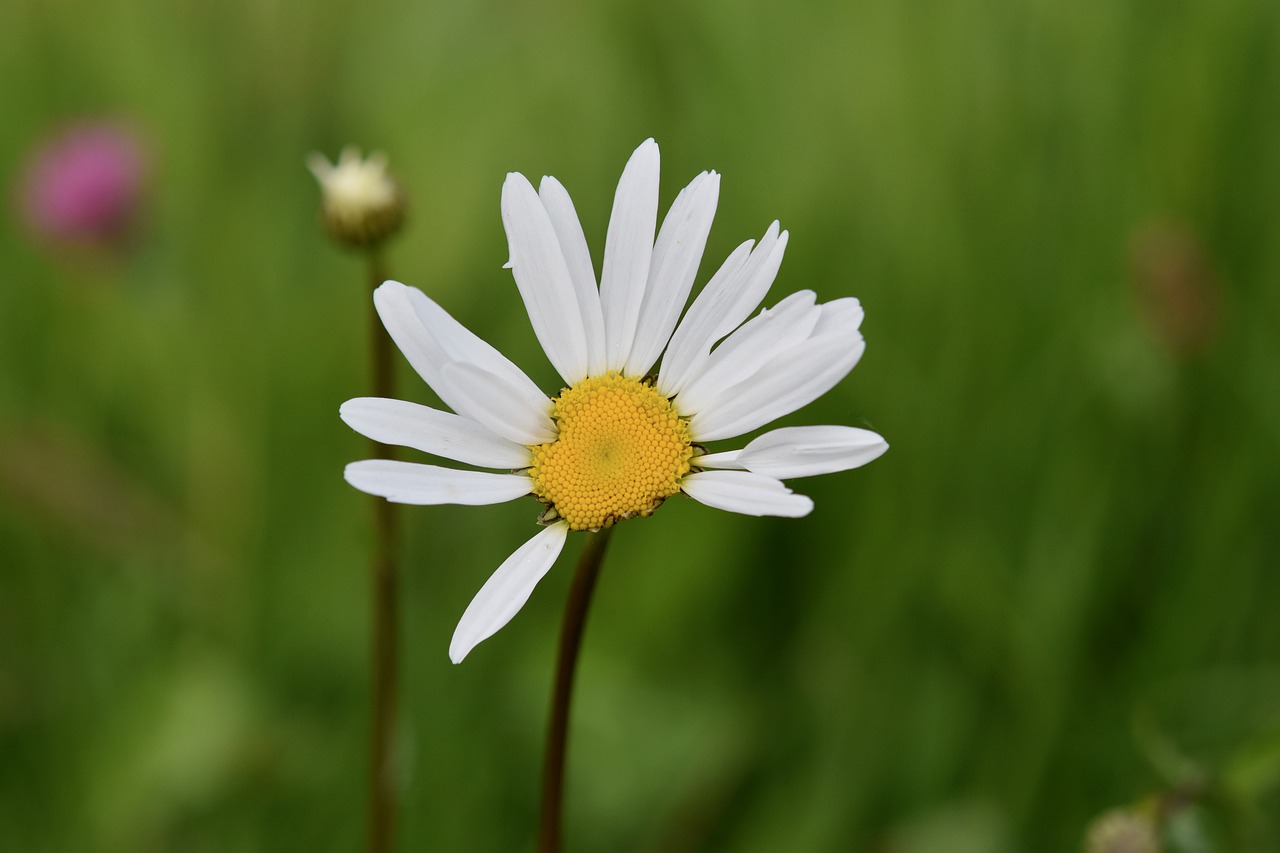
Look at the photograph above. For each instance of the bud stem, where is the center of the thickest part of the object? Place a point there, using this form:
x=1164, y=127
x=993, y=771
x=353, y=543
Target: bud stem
x=382, y=771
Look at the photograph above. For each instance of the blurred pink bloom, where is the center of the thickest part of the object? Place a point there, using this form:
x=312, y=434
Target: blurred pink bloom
x=84, y=184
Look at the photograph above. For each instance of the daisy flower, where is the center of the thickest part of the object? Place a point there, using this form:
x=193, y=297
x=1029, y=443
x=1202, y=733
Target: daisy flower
x=617, y=440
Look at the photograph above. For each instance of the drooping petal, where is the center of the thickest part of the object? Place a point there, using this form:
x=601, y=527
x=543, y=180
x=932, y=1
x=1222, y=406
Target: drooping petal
x=727, y=300
x=490, y=400
x=430, y=339
x=573, y=243
x=628, y=251
x=432, y=431
x=543, y=278
x=802, y=452
x=676, y=256
x=753, y=345
x=415, y=483
x=792, y=379
x=746, y=493
x=507, y=590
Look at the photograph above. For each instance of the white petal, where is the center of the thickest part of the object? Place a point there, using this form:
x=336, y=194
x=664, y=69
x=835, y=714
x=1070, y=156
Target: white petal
x=818, y=365
x=430, y=339
x=507, y=590
x=746, y=493
x=762, y=269
x=628, y=250
x=543, y=278
x=573, y=243
x=415, y=483
x=727, y=300
x=805, y=451
x=686, y=345
x=723, y=459
x=676, y=256
x=793, y=379
x=432, y=431
x=756, y=343
x=502, y=407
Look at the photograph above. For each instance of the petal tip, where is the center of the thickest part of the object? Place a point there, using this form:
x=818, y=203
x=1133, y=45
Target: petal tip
x=514, y=187
x=646, y=152
x=458, y=652
x=351, y=473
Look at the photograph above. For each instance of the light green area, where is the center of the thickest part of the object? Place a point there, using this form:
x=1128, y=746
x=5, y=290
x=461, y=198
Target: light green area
x=1055, y=595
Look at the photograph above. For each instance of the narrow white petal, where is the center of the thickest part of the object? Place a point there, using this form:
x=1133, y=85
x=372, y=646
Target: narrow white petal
x=401, y=319
x=573, y=243
x=809, y=450
x=507, y=590
x=676, y=256
x=723, y=459
x=430, y=339
x=793, y=379
x=686, y=347
x=542, y=276
x=432, y=431
x=502, y=407
x=756, y=343
x=779, y=391
x=755, y=288
x=415, y=483
x=745, y=493
x=790, y=321
x=628, y=250
x=720, y=308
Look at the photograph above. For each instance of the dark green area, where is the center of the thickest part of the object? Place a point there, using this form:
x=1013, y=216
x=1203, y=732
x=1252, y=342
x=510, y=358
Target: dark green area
x=1055, y=595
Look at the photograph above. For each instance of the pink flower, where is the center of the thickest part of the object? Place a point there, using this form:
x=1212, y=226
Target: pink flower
x=84, y=185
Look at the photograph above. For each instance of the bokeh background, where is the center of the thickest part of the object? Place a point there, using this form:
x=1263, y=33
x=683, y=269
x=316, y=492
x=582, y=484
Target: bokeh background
x=1055, y=596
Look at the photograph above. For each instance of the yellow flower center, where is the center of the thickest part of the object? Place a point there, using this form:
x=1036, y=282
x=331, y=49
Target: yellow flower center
x=621, y=450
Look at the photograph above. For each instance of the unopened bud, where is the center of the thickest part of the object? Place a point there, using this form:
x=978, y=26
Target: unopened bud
x=1122, y=831
x=361, y=205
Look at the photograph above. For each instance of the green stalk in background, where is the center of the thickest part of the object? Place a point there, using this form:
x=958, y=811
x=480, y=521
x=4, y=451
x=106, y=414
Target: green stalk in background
x=362, y=207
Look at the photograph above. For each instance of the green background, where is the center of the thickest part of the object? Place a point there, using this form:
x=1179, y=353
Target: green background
x=1055, y=595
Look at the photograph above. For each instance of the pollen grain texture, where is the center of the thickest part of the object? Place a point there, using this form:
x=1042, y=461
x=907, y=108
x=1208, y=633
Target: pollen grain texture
x=620, y=451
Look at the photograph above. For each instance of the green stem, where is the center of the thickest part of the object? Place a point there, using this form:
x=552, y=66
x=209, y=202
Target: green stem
x=575, y=618
x=382, y=775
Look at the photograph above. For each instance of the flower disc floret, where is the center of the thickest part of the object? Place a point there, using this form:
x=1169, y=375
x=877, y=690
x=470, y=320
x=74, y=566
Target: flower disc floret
x=620, y=451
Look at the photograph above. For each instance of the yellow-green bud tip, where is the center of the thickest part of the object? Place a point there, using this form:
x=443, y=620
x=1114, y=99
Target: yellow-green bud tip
x=361, y=205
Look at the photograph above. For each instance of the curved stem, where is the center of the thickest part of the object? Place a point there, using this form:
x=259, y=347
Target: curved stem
x=575, y=618
x=382, y=775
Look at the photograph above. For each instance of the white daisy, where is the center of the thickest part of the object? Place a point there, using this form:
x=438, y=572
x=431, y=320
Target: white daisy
x=615, y=442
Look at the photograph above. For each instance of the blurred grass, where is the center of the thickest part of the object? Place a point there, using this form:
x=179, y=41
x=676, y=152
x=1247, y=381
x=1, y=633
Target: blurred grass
x=1074, y=524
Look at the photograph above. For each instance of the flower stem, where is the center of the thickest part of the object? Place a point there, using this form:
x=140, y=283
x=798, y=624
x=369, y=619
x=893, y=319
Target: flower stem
x=575, y=618
x=382, y=775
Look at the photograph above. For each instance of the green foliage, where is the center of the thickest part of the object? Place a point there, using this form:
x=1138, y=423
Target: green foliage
x=1055, y=594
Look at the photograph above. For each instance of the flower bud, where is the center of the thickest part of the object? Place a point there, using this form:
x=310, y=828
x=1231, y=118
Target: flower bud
x=361, y=205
